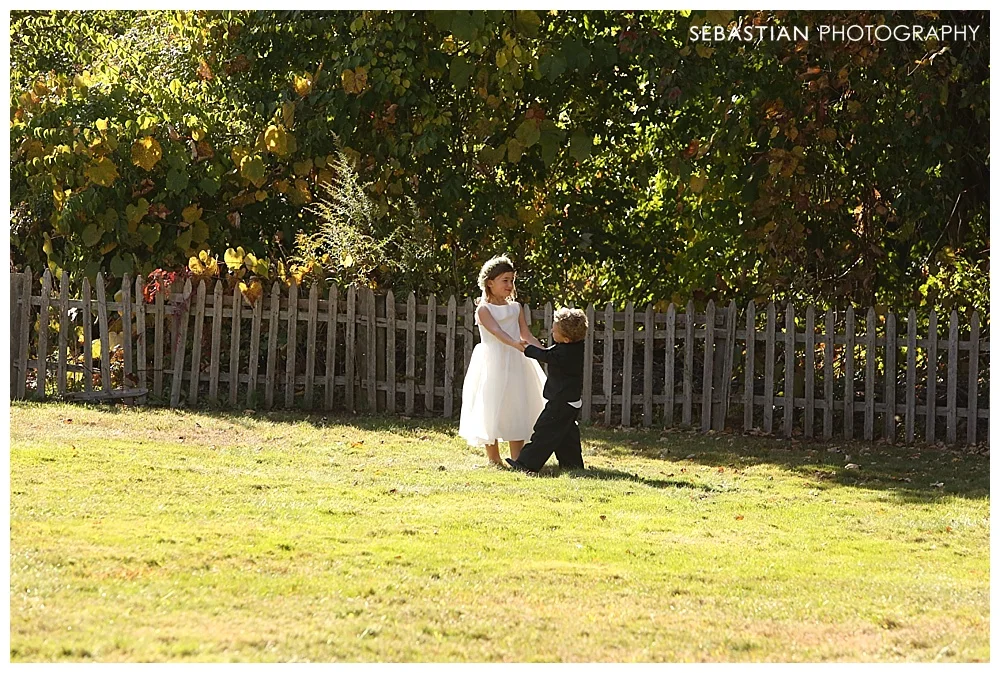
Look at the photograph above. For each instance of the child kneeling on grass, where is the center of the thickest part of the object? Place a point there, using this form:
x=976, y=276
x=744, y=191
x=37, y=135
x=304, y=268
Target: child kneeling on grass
x=556, y=430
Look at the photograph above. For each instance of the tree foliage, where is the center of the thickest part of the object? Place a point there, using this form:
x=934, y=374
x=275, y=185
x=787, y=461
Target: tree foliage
x=614, y=157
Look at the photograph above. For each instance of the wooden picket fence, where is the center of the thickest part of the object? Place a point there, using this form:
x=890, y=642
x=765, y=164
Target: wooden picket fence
x=352, y=351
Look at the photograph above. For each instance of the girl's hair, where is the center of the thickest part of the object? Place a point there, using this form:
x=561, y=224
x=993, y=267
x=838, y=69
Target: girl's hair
x=491, y=270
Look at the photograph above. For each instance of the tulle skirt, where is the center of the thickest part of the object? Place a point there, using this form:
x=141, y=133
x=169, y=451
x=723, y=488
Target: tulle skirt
x=501, y=395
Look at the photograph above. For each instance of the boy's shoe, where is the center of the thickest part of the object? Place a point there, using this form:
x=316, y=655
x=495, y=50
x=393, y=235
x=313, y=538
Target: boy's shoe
x=519, y=467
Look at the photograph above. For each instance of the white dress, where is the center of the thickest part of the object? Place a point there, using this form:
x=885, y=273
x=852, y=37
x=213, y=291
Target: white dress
x=502, y=393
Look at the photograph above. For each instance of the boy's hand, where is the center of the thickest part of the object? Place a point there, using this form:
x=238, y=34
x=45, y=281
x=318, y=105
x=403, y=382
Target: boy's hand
x=520, y=346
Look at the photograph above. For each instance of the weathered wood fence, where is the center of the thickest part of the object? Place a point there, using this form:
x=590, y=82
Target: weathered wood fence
x=799, y=373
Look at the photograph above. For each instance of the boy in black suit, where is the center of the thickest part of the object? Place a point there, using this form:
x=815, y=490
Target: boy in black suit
x=556, y=430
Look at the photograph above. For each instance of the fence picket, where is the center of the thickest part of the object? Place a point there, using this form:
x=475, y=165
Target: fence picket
x=930, y=434
x=828, y=346
x=88, y=340
x=196, y=342
x=669, y=383
x=234, y=346
x=126, y=314
x=270, y=372
x=890, y=377
x=15, y=330
x=390, y=352
x=64, y=324
x=429, y=354
x=291, y=346
x=158, y=317
x=849, y=375
x=331, y=347
x=449, y=358
x=199, y=327
x=952, y=390
x=789, y=393
x=179, y=346
x=626, y=362
x=647, y=367
x=215, y=355
x=43, y=335
x=972, y=403
x=870, y=326
x=769, y=370
x=253, y=356
x=140, y=331
x=588, y=367
x=809, y=364
x=411, y=353
x=688, y=364
x=609, y=345
x=706, y=369
x=350, y=332
x=721, y=411
x=547, y=320
x=102, y=324
x=911, y=374
x=748, y=372
x=371, y=350
x=312, y=321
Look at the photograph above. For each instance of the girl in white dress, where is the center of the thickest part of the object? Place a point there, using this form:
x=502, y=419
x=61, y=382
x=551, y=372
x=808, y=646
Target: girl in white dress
x=502, y=392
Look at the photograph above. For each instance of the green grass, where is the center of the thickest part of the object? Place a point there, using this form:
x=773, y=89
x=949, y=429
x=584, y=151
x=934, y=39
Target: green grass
x=163, y=535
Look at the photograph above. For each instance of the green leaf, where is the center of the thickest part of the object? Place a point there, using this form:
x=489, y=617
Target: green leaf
x=527, y=22
x=209, y=186
x=121, y=265
x=552, y=66
x=463, y=25
x=527, y=133
x=91, y=235
x=149, y=233
x=253, y=170
x=199, y=231
x=177, y=181
x=514, y=150
x=460, y=71
x=183, y=240
x=580, y=146
x=577, y=55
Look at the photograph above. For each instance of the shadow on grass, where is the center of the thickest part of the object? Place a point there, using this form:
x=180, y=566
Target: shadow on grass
x=915, y=473
x=918, y=473
x=605, y=474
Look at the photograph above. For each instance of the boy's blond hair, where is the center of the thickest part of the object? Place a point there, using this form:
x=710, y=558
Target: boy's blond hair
x=572, y=323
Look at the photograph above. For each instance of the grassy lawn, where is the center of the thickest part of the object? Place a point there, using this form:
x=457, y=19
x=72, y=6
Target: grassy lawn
x=164, y=535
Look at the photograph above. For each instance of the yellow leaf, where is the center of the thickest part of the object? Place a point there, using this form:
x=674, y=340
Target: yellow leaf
x=146, y=152
x=253, y=291
x=102, y=172
x=191, y=214
x=101, y=124
x=198, y=135
x=303, y=85
x=698, y=183
x=703, y=51
x=234, y=258
x=347, y=81
x=276, y=140
x=827, y=135
x=261, y=195
x=347, y=260
x=108, y=247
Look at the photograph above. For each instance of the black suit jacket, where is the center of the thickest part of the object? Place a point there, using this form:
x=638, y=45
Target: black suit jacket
x=565, y=379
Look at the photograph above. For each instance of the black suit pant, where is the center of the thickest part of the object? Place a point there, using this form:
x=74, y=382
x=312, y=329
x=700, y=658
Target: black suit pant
x=556, y=431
